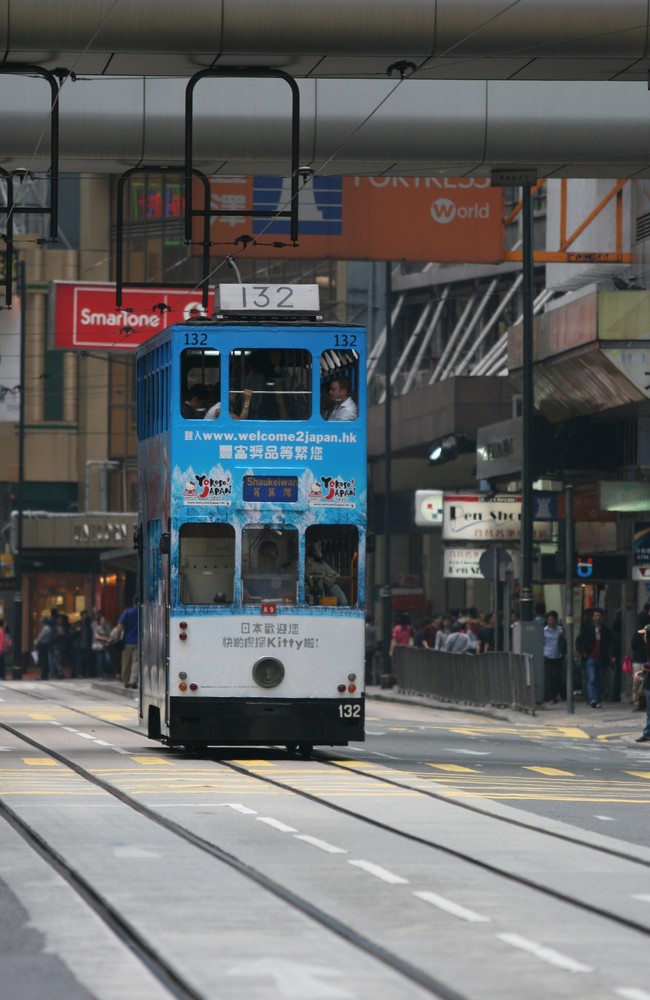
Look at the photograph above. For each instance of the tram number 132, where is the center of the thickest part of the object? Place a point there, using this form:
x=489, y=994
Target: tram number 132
x=348, y=711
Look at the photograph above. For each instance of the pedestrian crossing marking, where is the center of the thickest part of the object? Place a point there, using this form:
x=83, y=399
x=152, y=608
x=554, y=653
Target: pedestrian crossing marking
x=454, y=767
x=552, y=771
x=41, y=762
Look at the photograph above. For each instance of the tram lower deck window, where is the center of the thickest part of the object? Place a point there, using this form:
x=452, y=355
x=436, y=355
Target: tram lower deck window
x=206, y=564
x=331, y=564
x=270, y=565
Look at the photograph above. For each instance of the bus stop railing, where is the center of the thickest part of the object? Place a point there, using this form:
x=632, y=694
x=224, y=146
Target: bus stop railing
x=499, y=679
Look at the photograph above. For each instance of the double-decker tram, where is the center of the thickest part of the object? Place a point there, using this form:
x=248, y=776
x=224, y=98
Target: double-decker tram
x=252, y=532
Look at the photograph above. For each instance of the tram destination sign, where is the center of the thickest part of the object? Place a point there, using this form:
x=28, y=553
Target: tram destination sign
x=275, y=489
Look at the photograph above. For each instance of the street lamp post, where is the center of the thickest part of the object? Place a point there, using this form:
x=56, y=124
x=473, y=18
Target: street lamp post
x=525, y=178
x=20, y=491
x=387, y=610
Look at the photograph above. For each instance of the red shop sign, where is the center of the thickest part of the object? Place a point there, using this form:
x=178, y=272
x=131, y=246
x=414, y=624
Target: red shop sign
x=83, y=315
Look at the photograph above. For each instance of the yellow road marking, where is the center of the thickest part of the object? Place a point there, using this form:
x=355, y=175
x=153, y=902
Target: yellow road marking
x=254, y=763
x=639, y=774
x=454, y=767
x=152, y=760
x=41, y=761
x=549, y=770
x=40, y=716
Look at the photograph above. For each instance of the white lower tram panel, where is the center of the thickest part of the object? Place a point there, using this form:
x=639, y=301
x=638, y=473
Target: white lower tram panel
x=259, y=679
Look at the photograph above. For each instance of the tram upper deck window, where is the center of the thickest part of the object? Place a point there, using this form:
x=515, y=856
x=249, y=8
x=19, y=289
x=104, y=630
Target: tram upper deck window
x=331, y=564
x=339, y=384
x=277, y=382
x=270, y=565
x=200, y=389
x=206, y=564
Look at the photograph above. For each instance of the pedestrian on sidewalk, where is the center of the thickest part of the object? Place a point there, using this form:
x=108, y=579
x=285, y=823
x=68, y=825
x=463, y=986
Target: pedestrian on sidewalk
x=595, y=647
x=128, y=623
x=645, y=735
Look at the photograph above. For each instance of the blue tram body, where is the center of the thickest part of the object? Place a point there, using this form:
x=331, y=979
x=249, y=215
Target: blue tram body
x=252, y=533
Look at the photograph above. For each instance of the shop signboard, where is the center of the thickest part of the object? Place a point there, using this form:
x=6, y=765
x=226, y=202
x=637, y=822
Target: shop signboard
x=486, y=518
x=83, y=315
x=462, y=563
x=641, y=546
x=457, y=219
x=428, y=508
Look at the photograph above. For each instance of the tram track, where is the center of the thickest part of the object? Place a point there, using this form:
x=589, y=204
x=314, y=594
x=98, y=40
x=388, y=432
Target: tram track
x=323, y=760
x=138, y=944
x=326, y=920
x=522, y=822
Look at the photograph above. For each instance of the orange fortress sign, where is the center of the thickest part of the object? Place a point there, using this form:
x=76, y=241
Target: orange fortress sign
x=441, y=219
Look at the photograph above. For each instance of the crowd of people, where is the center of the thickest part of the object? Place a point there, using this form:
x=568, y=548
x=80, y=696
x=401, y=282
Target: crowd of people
x=598, y=659
x=89, y=647
x=461, y=630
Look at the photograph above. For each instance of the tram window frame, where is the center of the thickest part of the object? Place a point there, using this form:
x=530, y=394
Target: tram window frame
x=273, y=583
x=327, y=539
x=214, y=558
x=200, y=367
x=253, y=368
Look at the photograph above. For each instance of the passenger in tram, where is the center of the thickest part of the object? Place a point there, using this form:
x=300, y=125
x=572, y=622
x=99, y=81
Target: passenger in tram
x=345, y=407
x=321, y=578
x=195, y=402
x=233, y=412
x=272, y=579
x=270, y=382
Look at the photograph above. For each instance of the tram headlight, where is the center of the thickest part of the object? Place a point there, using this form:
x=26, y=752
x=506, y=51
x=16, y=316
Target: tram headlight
x=268, y=672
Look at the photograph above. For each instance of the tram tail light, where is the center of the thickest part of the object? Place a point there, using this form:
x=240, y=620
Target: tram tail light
x=182, y=686
x=352, y=688
x=183, y=630
x=341, y=688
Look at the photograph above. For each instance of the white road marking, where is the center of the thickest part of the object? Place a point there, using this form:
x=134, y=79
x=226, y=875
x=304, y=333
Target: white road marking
x=293, y=980
x=454, y=908
x=88, y=736
x=237, y=806
x=321, y=844
x=4, y=748
x=643, y=898
x=605, y=819
x=546, y=954
x=631, y=993
x=379, y=872
x=474, y=753
x=131, y=851
x=276, y=824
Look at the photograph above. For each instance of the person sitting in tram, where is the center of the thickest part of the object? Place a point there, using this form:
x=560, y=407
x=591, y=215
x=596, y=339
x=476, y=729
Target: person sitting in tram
x=321, y=578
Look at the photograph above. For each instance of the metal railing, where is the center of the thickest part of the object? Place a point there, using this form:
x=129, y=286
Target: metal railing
x=499, y=679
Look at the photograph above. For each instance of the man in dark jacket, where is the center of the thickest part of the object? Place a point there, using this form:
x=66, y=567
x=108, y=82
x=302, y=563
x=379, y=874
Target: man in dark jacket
x=595, y=646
